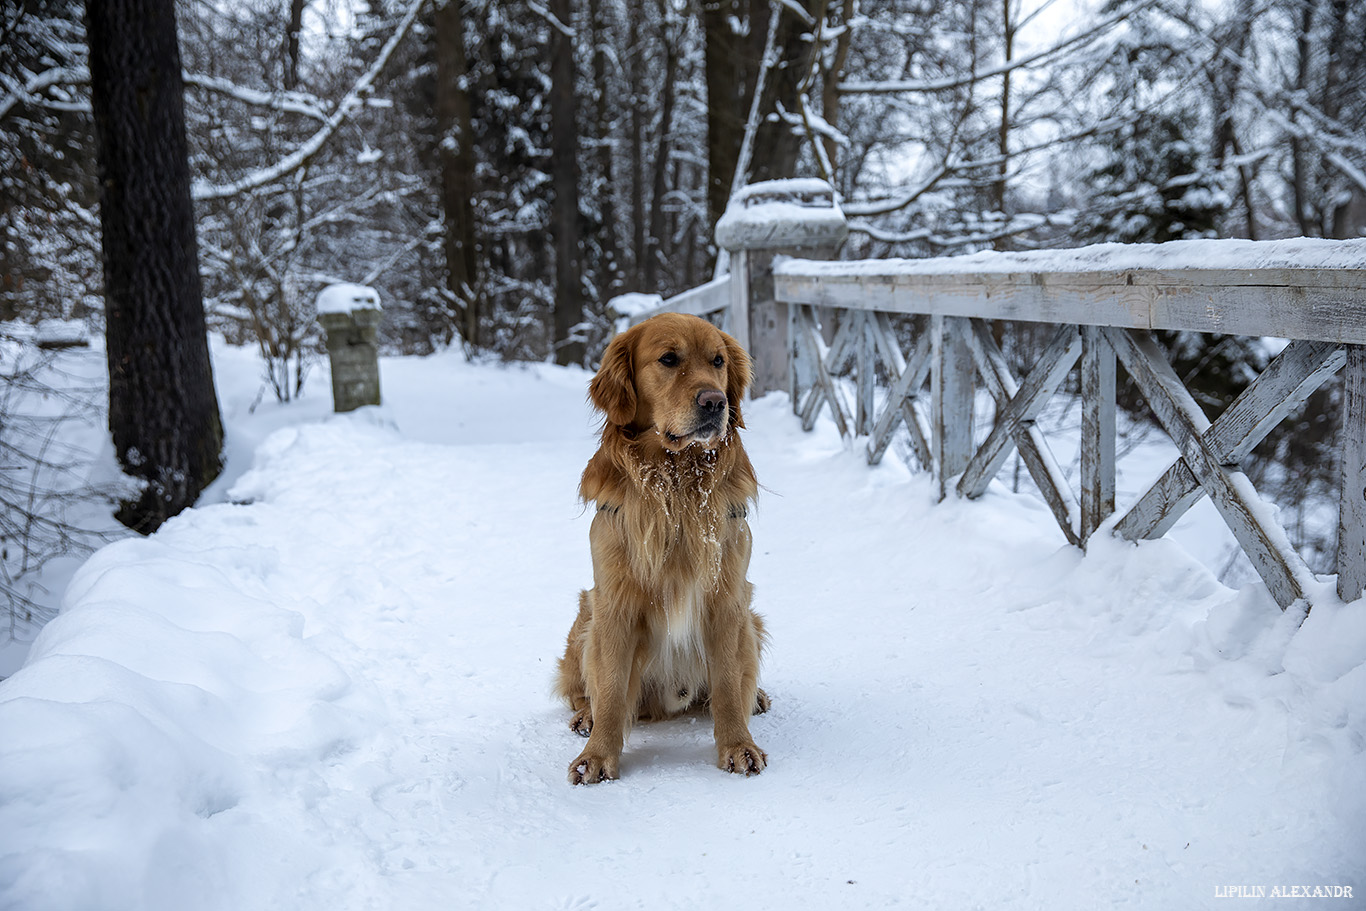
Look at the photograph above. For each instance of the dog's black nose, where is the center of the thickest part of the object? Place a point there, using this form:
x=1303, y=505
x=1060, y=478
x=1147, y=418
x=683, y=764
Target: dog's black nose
x=711, y=400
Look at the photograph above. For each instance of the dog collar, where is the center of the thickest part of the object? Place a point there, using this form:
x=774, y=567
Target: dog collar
x=736, y=512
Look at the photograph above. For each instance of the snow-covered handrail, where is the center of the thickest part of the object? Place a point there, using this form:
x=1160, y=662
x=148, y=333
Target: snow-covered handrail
x=1107, y=299
x=1303, y=288
x=823, y=319
x=704, y=300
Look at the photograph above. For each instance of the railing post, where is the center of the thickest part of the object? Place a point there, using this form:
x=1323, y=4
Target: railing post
x=737, y=318
x=350, y=315
x=1097, y=430
x=1352, y=502
x=763, y=221
x=867, y=348
x=951, y=395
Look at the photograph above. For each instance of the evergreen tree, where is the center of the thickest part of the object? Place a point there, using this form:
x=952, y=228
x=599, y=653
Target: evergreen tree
x=1154, y=184
x=1155, y=187
x=49, y=262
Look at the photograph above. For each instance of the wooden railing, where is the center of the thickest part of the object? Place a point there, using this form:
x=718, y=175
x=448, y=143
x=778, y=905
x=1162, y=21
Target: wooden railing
x=1106, y=302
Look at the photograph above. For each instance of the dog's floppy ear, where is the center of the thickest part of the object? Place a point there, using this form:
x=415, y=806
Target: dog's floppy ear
x=613, y=389
x=738, y=375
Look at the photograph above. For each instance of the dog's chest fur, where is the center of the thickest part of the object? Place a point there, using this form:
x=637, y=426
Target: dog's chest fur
x=677, y=669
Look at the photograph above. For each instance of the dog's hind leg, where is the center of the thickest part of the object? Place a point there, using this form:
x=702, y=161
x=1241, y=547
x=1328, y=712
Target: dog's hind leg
x=571, y=683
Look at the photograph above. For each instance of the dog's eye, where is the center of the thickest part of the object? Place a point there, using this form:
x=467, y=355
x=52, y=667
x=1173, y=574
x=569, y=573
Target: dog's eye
x=669, y=360
x=719, y=361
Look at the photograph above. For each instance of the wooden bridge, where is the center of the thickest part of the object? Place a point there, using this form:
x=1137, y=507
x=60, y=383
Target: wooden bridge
x=783, y=290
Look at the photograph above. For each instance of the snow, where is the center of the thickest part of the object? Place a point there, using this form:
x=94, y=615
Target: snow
x=61, y=333
x=1295, y=253
x=794, y=211
x=794, y=187
x=634, y=302
x=331, y=690
x=344, y=297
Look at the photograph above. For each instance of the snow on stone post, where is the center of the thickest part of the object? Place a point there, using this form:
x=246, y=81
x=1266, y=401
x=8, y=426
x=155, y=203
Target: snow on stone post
x=763, y=220
x=350, y=316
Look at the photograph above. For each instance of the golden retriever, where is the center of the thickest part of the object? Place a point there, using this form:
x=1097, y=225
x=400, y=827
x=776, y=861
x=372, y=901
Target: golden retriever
x=667, y=625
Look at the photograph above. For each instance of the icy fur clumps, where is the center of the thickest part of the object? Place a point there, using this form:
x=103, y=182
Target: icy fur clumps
x=680, y=519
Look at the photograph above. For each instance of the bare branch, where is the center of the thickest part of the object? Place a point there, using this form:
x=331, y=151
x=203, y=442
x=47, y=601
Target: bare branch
x=305, y=153
x=895, y=86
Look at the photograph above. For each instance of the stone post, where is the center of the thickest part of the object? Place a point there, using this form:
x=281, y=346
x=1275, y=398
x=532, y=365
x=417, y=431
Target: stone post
x=764, y=220
x=350, y=315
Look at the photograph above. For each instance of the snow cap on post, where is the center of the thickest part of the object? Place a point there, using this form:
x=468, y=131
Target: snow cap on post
x=799, y=213
x=350, y=315
x=344, y=297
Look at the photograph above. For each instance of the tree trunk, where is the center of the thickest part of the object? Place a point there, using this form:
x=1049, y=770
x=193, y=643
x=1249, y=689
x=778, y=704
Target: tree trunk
x=163, y=412
x=637, y=139
x=659, y=185
x=609, y=273
x=830, y=96
x=564, y=156
x=1337, y=202
x=1299, y=184
x=778, y=143
x=731, y=65
x=998, y=186
x=296, y=25
x=457, y=164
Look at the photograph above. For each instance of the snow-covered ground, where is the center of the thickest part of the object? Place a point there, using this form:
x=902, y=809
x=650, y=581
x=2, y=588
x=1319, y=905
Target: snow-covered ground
x=330, y=689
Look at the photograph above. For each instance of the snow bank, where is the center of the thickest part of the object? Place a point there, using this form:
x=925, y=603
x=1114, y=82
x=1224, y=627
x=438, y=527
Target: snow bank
x=309, y=701
x=1296, y=253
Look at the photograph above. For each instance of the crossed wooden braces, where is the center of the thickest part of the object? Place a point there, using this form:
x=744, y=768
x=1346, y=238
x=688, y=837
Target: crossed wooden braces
x=1210, y=453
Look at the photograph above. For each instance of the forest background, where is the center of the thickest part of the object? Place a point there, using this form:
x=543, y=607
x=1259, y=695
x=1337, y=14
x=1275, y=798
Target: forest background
x=501, y=169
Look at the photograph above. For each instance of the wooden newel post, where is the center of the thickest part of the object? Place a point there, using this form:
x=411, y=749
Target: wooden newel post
x=765, y=220
x=350, y=315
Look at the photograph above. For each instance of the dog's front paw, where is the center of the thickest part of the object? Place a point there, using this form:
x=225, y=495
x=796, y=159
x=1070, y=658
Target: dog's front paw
x=590, y=768
x=582, y=722
x=742, y=758
x=761, y=703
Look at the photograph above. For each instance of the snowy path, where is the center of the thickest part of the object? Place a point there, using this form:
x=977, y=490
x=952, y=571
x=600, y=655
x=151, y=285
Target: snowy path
x=338, y=697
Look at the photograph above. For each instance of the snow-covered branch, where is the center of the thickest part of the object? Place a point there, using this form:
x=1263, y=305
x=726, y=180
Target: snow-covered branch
x=892, y=86
x=555, y=23
x=949, y=167
x=1021, y=223
x=288, y=102
x=302, y=155
x=61, y=75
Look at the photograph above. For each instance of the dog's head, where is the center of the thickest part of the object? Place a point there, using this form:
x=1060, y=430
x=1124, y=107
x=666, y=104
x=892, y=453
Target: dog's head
x=675, y=376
